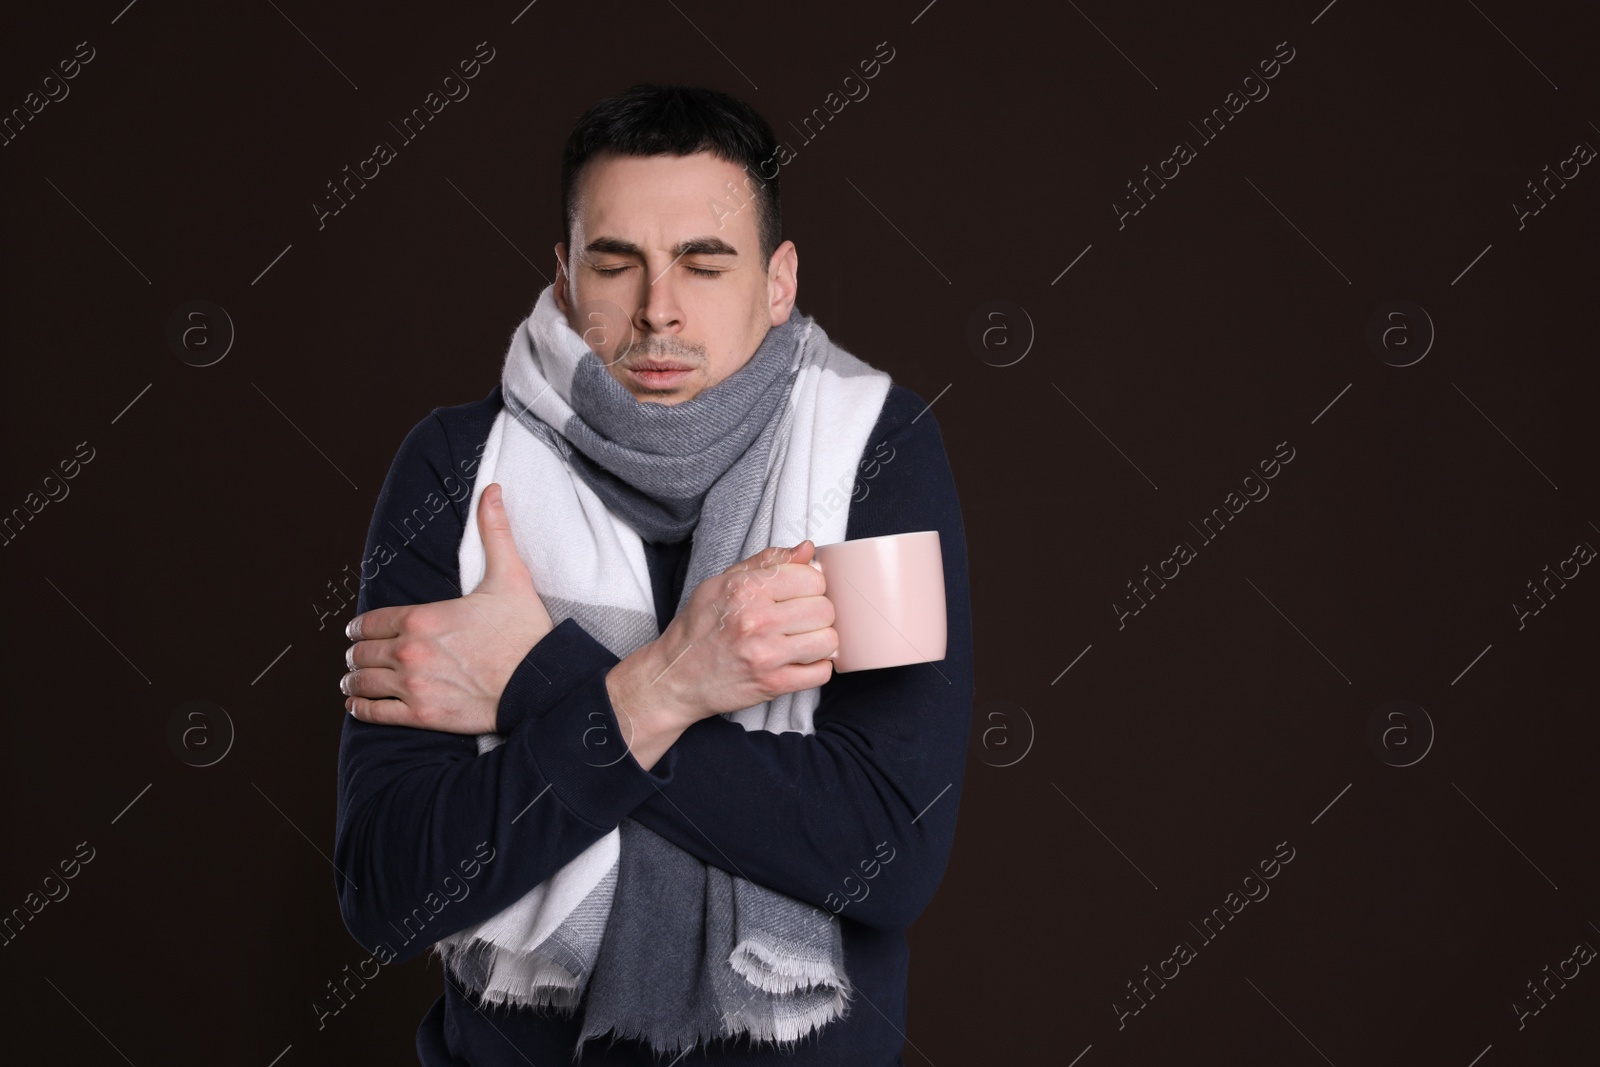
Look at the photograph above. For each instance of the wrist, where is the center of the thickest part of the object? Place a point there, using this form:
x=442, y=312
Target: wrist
x=648, y=716
x=648, y=678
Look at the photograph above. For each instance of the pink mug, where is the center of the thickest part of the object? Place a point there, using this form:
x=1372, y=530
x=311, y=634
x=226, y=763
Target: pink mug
x=888, y=599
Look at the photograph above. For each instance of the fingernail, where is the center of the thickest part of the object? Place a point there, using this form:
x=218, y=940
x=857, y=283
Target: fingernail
x=352, y=629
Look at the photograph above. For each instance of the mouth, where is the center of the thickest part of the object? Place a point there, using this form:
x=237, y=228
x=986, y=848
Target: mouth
x=662, y=375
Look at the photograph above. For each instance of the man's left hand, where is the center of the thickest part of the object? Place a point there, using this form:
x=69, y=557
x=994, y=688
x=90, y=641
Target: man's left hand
x=442, y=666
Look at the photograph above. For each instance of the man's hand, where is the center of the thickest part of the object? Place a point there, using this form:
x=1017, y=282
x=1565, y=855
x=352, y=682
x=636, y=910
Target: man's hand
x=759, y=629
x=442, y=666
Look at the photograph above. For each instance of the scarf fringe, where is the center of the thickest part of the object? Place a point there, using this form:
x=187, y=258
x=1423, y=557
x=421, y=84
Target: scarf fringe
x=779, y=972
x=785, y=1032
x=521, y=979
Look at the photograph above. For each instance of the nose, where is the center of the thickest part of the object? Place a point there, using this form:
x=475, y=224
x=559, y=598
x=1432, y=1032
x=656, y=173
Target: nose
x=659, y=312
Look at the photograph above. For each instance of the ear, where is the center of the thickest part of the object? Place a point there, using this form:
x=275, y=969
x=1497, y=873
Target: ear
x=783, y=282
x=563, y=280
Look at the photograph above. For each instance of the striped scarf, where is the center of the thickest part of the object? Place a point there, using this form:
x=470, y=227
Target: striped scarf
x=657, y=945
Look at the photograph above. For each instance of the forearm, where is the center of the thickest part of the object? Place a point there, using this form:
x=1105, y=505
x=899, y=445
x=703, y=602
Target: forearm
x=857, y=818
x=414, y=803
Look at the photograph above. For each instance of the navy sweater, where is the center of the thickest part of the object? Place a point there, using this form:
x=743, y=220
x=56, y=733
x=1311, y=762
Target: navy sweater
x=857, y=818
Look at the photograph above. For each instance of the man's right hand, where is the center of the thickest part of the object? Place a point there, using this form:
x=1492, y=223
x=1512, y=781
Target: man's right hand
x=761, y=628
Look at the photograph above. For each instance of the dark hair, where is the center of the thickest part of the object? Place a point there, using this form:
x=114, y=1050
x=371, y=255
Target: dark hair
x=653, y=120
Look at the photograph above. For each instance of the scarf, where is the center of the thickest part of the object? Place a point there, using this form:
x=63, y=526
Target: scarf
x=656, y=945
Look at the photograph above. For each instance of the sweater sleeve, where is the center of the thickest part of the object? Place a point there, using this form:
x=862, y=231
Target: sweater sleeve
x=431, y=837
x=858, y=817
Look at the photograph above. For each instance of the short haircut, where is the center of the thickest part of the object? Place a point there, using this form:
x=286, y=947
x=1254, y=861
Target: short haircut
x=653, y=120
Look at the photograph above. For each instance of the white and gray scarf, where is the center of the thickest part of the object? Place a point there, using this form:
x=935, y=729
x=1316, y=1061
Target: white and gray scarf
x=662, y=947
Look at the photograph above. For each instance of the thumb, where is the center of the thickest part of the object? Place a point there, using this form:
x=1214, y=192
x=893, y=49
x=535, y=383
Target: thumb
x=501, y=562
x=803, y=551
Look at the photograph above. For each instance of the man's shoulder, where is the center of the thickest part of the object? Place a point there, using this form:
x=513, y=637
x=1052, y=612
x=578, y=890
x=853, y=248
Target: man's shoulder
x=904, y=413
x=466, y=426
x=473, y=414
x=904, y=479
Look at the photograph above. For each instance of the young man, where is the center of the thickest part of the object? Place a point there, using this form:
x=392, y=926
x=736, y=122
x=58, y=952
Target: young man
x=672, y=430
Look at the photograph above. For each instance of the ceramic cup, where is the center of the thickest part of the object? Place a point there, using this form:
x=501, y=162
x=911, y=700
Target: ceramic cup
x=888, y=599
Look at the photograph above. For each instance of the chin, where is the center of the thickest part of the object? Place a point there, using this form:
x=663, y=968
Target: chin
x=665, y=396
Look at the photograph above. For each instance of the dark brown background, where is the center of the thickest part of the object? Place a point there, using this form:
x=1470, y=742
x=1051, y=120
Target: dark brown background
x=1106, y=807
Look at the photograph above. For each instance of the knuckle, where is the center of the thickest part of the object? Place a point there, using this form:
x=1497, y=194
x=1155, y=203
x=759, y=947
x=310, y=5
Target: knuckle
x=752, y=656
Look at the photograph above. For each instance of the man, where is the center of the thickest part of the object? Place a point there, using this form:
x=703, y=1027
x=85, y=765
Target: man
x=673, y=276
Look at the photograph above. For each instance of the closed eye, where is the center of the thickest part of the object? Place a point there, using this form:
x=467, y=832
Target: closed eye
x=610, y=271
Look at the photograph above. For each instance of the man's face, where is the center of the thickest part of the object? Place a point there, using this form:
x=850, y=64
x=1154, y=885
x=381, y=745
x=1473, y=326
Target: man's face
x=665, y=271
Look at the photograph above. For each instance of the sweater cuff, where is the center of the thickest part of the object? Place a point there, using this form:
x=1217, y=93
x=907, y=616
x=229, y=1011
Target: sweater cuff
x=583, y=755
x=556, y=663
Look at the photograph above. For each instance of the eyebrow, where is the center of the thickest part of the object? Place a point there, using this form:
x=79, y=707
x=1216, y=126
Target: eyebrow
x=702, y=246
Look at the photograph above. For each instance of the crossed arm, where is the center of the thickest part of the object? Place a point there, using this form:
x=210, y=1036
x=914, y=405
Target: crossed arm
x=857, y=818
